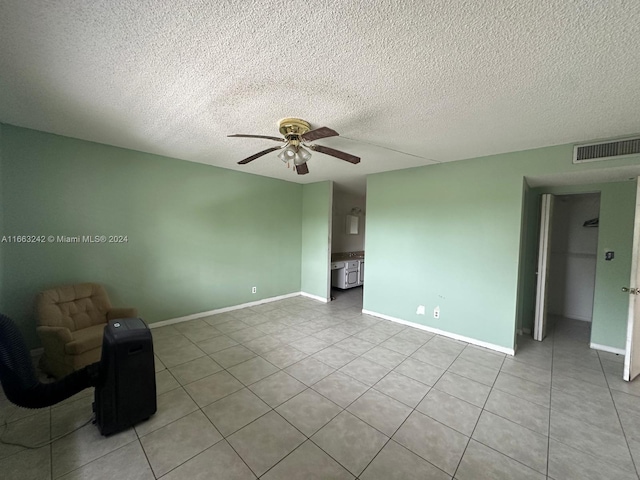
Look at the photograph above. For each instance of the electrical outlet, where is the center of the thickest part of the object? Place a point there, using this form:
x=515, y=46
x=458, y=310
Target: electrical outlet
x=253, y=289
x=420, y=310
x=436, y=312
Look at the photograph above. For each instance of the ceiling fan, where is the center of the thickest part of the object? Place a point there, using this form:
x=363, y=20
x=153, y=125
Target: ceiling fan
x=296, y=133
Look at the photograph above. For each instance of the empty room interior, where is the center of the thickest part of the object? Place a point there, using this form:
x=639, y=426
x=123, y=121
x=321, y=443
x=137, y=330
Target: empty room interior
x=224, y=170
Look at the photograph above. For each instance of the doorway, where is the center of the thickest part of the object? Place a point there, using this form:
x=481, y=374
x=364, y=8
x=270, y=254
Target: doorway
x=567, y=267
x=347, y=247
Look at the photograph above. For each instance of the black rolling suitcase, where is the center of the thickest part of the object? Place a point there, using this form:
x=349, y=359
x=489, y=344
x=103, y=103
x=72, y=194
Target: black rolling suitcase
x=126, y=392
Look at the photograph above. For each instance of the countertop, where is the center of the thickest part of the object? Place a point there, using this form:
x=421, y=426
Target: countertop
x=346, y=256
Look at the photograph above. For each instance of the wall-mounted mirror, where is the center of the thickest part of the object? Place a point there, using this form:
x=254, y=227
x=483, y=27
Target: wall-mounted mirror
x=352, y=224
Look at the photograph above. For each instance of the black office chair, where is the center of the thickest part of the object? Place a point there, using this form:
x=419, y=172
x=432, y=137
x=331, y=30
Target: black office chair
x=18, y=377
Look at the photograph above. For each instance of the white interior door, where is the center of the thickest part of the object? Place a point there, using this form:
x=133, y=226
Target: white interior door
x=632, y=356
x=544, y=246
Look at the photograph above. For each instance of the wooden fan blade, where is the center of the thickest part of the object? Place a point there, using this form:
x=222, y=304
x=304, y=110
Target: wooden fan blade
x=335, y=153
x=302, y=169
x=277, y=139
x=258, y=155
x=322, y=132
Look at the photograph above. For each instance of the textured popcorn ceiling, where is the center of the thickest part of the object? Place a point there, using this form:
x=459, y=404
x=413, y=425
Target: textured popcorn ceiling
x=406, y=83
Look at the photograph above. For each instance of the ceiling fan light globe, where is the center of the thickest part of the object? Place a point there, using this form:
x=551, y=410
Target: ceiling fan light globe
x=304, y=155
x=287, y=154
x=297, y=160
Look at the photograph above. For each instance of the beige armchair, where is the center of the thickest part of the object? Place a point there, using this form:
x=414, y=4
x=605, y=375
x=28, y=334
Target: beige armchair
x=71, y=320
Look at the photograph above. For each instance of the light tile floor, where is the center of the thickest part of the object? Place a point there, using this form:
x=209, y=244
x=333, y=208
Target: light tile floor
x=296, y=389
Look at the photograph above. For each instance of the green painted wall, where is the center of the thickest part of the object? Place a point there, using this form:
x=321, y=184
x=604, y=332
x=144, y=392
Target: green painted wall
x=615, y=232
x=450, y=235
x=316, y=238
x=437, y=236
x=199, y=237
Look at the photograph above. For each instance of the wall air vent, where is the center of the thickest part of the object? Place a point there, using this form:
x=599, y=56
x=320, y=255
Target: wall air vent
x=605, y=150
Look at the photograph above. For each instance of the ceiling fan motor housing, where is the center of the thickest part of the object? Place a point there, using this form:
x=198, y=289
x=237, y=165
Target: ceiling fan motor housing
x=290, y=127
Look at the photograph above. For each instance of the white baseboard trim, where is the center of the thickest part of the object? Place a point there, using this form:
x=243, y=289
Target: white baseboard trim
x=314, y=297
x=195, y=316
x=455, y=336
x=605, y=348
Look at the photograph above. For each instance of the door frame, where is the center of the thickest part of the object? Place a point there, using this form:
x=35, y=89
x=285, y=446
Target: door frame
x=633, y=324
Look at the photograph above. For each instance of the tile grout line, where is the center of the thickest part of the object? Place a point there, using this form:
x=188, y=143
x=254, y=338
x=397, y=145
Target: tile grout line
x=477, y=420
x=50, y=425
x=624, y=433
x=247, y=387
x=576, y=448
x=238, y=453
x=144, y=452
x=521, y=396
x=509, y=420
x=180, y=385
x=336, y=370
x=224, y=438
x=273, y=409
x=307, y=438
x=370, y=387
x=173, y=421
x=390, y=437
x=343, y=409
x=200, y=409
